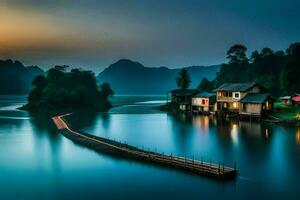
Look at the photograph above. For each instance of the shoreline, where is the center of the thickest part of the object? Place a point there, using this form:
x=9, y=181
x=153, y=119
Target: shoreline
x=285, y=122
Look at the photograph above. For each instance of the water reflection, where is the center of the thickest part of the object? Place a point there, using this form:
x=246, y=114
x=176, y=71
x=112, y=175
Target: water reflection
x=35, y=155
x=234, y=133
x=202, y=123
x=298, y=135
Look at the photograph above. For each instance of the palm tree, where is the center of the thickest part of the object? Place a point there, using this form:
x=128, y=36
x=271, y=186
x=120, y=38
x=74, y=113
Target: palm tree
x=183, y=79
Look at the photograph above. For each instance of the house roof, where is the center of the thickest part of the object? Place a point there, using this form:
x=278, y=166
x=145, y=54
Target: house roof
x=206, y=94
x=231, y=87
x=183, y=92
x=285, y=98
x=296, y=98
x=255, y=98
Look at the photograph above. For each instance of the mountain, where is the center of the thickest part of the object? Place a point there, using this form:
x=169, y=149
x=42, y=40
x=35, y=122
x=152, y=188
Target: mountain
x=15, y=78
x=128, y=77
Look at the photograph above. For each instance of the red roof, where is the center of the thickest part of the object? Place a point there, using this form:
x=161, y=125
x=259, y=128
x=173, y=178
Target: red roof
x=296, y=98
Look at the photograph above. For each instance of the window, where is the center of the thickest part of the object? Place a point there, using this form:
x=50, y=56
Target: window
x=236, y=95
x=203, y=101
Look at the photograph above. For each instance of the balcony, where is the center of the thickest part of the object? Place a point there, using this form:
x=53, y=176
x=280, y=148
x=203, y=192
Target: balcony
x=226, y=99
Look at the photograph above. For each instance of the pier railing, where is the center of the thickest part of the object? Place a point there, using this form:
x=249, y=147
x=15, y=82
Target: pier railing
x=122, y=149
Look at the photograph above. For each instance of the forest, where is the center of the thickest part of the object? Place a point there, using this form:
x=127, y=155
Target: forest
x=60, y=91
x=278, y=71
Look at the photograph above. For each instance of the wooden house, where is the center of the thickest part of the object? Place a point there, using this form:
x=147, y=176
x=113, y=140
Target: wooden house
x=286, y=100
x=256, y=104
x=296, y=99
x=204, y=103
x=229, y=95
x=183, y=97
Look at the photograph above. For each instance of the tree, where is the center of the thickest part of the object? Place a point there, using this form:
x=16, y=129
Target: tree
x=183, y=79
x=255, y=56
x=61, y=90
x=291, y=70
x=290, y=77
x=237, y=54
x=39, y=81
x=106, y=90
x=205, y=85
x=294, y=50
x=266, y=52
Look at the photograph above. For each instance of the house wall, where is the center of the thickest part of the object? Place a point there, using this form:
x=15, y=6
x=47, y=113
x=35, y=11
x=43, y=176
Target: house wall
x=200, y=101
x=232, y=106
x=252, y=108
x=223, y=96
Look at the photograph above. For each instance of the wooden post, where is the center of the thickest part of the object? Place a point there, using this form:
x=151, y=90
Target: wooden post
x=223, y=167
x=167, y=98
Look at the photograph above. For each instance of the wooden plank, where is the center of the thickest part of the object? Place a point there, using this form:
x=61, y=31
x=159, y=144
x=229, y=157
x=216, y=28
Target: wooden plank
x=114, y=147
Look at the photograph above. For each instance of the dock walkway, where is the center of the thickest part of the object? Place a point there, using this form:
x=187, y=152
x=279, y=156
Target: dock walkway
x=117, y=148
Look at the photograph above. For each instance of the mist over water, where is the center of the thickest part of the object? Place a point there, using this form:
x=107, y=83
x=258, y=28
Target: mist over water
x=39, y=163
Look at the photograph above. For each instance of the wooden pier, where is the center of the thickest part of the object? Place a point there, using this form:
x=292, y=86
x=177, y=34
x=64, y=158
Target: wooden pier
x=124, y=150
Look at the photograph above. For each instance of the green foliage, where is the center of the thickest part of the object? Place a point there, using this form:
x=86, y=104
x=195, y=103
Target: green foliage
x=298, y=116
x=285, y=112
x=206, y=85
x=277, y=71
x=237, y=54
x=61, y=90
x=291, y=71
x=183, y=79
x=106, y=90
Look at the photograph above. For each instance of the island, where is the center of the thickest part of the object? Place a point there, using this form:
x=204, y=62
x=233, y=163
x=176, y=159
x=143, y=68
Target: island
x=61, y=91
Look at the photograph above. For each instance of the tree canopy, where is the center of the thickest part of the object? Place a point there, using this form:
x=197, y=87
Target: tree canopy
x=276, y=70
x=61, y=90
x=183, y=79
x=206, y=85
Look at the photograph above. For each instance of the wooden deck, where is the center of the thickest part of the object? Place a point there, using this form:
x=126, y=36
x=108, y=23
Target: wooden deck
x=124, y=150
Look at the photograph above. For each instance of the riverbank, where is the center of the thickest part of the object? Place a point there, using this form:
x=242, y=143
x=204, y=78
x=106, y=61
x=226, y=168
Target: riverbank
x=285, y=112
x=282, y=114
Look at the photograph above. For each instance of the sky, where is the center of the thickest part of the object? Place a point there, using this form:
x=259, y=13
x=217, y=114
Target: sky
x=93, y=34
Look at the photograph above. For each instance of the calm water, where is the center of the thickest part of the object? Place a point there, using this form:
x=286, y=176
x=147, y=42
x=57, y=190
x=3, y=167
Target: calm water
x=38, y=163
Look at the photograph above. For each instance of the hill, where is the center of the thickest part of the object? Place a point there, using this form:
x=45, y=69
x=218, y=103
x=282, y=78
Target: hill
x=15, y=78
x=128, y=77
x=61, y=91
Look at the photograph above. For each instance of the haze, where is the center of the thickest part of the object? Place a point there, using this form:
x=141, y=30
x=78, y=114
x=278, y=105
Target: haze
x=93, y=34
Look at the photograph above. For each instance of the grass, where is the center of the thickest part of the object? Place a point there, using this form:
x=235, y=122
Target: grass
x=285, y=112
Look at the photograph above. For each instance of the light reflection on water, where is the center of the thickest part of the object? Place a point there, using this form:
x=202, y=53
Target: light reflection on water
x=34, y=155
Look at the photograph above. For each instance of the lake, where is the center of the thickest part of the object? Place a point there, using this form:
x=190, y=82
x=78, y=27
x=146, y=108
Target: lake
x=39, y=163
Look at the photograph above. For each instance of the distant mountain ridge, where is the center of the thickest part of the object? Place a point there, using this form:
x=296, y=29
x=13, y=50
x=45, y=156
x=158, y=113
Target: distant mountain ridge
x=129, y=77
x=15, y=78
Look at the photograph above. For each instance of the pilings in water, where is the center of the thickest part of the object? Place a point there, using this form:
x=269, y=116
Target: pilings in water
x=112, y=147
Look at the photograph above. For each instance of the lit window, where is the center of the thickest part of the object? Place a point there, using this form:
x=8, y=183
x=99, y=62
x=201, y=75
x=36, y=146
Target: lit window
x=234, y=104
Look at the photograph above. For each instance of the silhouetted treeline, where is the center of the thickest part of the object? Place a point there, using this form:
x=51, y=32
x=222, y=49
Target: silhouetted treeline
x=278, y=71
x=61, y=90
